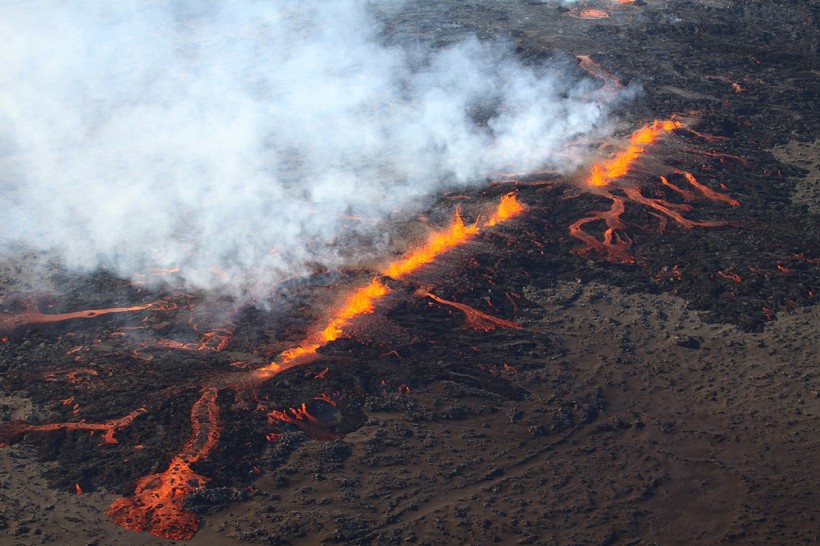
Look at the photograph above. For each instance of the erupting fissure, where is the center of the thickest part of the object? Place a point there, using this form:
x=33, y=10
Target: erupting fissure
x=363, y=300
x=156, y=505
x=606, y=179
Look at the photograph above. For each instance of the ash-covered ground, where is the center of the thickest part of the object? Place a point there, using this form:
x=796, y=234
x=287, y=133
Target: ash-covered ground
x=670, y=401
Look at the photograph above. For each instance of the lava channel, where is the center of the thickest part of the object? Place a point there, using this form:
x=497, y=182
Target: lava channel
x=606, y=180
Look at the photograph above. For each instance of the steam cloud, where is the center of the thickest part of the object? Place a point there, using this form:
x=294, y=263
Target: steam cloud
x=231, y=139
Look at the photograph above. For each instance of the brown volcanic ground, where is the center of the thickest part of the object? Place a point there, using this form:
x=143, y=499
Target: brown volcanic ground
x=637, y=407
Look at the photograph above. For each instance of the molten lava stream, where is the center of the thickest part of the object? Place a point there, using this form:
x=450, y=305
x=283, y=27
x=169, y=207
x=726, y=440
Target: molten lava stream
x=363, y=300
x=606, y=172
x=614, y=246
x=474, y=318
x=157, y=503
x=11, y=432
x=611, y=81
x=34, y=316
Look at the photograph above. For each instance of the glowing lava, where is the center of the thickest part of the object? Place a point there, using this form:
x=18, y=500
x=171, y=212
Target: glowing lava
x=474, y=318
x=156, y=505
x=509, y=207
x=455, y=235
x=302, y=418
x=362, y=301
x=606, y=180
x=605, y=172
x=14, y=430
x=35, y=316
x=588, y=14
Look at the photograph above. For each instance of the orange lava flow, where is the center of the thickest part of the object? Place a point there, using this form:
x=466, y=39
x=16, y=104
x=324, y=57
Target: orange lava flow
x=301, y=418
x=362, y=300
x=474, y=318
x=611, y=81
x=157, y=503
x=359, y=303
x=12, y=431
x=605, y=172
x=214, y=341
x=731, y=276
x=441, y=241
x=589, y=14
x=72, y=376
x=33, y=316
x=613, y=245
x=708, y=192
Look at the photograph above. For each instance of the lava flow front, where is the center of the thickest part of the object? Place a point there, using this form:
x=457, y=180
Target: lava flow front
x=156, y=504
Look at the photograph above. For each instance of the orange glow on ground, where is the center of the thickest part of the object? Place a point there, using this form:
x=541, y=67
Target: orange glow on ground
x=613, y=244
x=35, y=316
x=157, y=503
x=474, y=318
x=603, y=173
x=362, y=301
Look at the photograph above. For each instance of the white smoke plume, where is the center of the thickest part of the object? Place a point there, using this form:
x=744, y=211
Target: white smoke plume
x=232, y=139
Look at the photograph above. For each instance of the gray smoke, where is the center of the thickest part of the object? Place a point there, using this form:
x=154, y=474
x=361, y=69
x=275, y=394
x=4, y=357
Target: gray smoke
x=233, y=140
